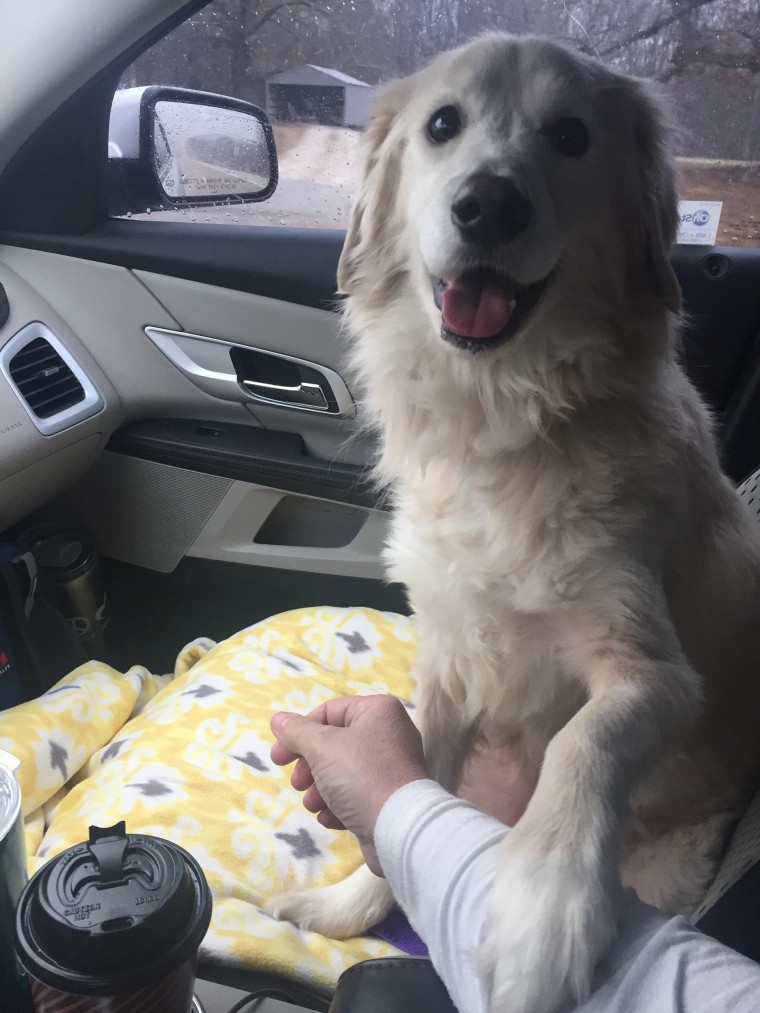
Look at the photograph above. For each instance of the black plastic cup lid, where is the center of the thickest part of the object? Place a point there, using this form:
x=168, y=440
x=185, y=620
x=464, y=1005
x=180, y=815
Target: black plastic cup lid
x=61, y=554
x=112, y=914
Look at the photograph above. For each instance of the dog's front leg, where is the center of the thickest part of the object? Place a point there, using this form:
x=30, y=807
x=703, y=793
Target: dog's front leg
x=446, y=739
x=552, y=911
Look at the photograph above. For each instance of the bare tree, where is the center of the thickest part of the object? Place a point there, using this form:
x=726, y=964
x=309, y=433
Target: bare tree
x=707, y=51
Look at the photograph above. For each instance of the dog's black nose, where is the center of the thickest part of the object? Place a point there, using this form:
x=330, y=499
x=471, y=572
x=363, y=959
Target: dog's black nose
x=490, y=209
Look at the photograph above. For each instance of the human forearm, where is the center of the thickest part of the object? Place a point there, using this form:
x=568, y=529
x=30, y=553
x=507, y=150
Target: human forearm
x=438, y=855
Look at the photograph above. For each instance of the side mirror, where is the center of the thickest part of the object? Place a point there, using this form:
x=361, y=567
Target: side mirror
x=175, y=147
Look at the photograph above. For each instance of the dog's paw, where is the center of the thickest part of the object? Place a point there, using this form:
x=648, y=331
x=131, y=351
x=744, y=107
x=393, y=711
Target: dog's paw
x=549, y=921
x=312, y=910
x=340, y=911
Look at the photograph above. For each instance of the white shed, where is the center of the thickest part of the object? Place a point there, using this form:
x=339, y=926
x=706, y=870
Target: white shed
x=312, y=94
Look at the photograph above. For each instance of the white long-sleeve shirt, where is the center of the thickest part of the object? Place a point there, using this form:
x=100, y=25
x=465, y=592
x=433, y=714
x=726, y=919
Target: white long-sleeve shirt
x=439, y=856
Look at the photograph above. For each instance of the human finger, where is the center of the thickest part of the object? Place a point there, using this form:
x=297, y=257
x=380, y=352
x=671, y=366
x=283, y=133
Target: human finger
x=313, y=800
x=280, y=755
x=335, y=712
x=302, y=777
x=328, y=819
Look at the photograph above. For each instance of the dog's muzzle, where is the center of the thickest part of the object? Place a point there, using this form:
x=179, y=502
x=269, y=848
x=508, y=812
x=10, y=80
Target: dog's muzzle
x=483, y=307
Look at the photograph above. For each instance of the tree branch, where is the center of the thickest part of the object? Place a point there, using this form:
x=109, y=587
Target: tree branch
x=259, y=23
x=709, y=59
x=655, y=27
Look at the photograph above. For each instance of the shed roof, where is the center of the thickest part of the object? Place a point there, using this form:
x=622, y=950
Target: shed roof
x=310, y=73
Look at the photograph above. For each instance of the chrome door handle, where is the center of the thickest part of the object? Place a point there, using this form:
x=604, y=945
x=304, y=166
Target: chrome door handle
x=239, y=373
x=305, y=395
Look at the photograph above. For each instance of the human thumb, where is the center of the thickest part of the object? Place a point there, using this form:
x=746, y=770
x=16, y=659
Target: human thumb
x=295, y=732
x=280, y=719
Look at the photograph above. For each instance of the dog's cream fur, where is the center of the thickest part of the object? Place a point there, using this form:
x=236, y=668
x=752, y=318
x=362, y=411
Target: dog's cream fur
x=587, y=583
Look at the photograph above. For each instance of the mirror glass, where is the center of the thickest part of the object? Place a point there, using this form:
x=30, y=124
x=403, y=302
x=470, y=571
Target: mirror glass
x=207, y=151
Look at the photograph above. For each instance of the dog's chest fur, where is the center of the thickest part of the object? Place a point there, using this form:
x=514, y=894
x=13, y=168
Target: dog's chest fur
x=492, y=553
x=517, y=532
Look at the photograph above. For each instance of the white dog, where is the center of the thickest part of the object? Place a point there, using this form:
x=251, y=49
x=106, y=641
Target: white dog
x=586, y=582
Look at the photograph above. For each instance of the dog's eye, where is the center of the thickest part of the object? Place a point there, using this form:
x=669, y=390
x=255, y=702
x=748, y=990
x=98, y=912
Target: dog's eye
x=444, y=124
x=568, y=136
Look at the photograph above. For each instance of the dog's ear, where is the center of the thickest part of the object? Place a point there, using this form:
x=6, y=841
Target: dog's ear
x=652, y=233
x=372, y=212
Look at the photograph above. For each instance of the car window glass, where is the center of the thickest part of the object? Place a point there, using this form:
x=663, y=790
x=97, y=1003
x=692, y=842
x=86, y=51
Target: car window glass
x=314, y=67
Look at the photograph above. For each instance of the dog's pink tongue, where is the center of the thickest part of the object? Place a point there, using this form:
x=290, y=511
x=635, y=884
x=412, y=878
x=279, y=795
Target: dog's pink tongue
x=476, y=307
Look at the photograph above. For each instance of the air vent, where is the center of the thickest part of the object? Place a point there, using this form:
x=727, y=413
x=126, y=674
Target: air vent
x=51, y=385
x=44, y=380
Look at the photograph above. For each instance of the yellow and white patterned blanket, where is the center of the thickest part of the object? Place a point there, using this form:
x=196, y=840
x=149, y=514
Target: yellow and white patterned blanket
x=186, y=757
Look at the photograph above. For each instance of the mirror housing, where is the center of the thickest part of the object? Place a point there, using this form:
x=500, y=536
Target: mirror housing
x=176, y=147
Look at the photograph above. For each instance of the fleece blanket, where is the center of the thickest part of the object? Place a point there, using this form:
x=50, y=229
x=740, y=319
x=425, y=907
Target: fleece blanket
x=186, y=757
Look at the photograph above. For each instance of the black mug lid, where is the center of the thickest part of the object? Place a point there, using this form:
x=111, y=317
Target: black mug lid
x=112, y=914
x=62, y=554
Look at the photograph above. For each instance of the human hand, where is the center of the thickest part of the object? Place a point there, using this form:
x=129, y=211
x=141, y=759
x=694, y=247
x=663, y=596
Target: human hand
x=351, y=754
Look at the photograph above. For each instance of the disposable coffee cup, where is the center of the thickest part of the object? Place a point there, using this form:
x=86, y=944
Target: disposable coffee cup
x=114, y=925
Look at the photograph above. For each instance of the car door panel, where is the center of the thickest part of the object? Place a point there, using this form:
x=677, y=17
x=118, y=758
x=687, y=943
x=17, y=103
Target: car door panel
x=722, y=303
x=277, y=326
x=264, y=527
x=247, y=454
x=162, y=420
x=153, y=514
x=296, y=465
x=292, y=265
x=108, y=307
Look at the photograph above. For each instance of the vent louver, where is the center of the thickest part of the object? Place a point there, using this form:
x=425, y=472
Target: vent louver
x=44, y=380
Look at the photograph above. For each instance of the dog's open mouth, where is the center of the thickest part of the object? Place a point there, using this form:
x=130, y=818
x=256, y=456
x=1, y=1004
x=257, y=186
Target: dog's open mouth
x=481, y=308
